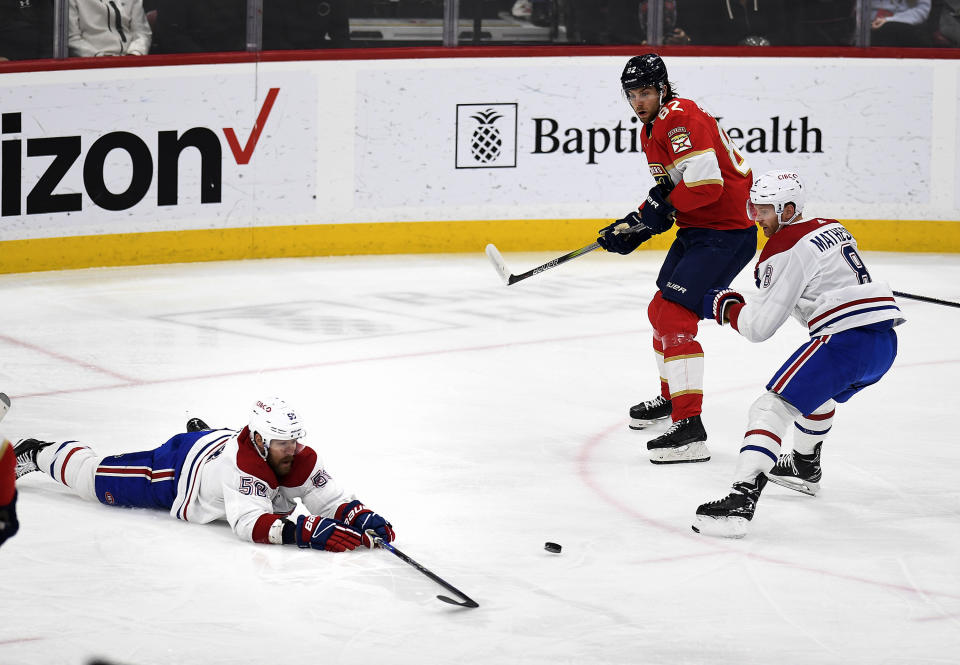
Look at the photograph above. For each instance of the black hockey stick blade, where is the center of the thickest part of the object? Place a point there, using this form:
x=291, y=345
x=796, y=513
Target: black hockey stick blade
x=467, y=600
x=935, y=301
x=509, y=278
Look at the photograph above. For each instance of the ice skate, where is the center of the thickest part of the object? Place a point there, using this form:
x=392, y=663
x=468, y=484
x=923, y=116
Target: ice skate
x=644, y=414
x=798, y=472
x=26, y=451
x=685, y=441
x=197, y=425
x=728, y=517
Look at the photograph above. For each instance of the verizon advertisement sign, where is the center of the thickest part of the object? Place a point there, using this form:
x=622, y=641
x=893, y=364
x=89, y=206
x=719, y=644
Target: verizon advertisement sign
x=170, y=153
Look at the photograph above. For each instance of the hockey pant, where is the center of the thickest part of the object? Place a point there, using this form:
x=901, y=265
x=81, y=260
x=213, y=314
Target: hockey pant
x=698, y=260
x=806, y=389
x=161, y=478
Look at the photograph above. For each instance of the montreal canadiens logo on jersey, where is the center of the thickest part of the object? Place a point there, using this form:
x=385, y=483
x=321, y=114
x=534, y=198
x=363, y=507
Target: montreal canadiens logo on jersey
x=679, y=139
x=767, y=276
x=320, y=478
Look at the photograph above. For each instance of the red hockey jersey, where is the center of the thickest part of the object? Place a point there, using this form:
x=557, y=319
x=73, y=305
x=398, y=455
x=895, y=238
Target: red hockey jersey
x=687, y=149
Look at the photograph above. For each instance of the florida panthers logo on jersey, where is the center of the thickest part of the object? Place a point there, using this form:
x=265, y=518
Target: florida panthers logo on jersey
x=679, y=139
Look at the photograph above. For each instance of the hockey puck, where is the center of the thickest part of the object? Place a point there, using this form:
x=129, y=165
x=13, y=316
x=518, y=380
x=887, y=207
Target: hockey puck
x=552, y=547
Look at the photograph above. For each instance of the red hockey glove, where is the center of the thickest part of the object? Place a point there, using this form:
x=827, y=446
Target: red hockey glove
x=323, y=533
x=363, y=519
x=723, y=300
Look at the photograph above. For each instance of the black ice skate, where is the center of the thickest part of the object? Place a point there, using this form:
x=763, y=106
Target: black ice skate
x=685, y=441
x=728, y=517
x=197, y=425
x=26, y=451
x=644, y=414
x=798, y=472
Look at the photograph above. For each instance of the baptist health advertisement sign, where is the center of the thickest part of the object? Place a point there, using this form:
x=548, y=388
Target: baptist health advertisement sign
x=112, y=151
x=554, y=138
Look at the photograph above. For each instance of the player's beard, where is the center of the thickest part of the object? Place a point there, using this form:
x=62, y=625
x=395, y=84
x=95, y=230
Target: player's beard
x=283, y=465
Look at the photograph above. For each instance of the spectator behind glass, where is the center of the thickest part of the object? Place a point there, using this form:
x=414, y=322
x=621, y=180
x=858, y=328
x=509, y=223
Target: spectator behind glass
x=899, y=23
x=826, y=22
x=107, y=27
x=606, y=22
x=202, y=26
x=732, y=22
x=948, y=24
x=305, y=24
x=26, y=29
x=673, y=35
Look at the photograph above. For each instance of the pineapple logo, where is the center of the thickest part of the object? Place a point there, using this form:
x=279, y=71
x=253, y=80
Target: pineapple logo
x=486, y=136
x=486, y=142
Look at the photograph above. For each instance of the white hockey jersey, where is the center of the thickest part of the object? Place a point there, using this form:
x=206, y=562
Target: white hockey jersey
x=812, y=270
x=224, y=477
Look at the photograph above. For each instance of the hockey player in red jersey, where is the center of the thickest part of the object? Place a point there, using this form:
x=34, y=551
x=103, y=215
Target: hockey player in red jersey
x=8, y=491
x=249, y=478
x=702, y=185
x=811, y=270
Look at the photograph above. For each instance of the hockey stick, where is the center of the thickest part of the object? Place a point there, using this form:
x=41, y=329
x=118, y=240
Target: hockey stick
x=467, y=600
x=509, y=278
x=935, y=301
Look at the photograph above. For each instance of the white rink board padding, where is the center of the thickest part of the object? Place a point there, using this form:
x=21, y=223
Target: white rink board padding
x=313, y=152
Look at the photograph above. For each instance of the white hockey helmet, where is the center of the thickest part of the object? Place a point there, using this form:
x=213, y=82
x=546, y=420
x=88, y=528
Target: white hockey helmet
x=777, y=188
x=274, y=419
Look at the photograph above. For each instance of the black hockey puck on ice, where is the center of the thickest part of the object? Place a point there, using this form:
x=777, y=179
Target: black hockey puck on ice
x=552, y=547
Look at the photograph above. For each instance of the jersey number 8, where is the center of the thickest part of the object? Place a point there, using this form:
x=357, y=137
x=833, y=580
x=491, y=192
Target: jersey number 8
x=859, y=267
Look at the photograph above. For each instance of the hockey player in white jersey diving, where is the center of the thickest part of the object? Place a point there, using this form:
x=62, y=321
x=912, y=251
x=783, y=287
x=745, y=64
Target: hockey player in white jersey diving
x=249, y=477
x=811, y=269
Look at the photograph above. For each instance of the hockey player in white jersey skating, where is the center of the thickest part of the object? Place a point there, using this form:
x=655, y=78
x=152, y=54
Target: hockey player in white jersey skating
x=811, y=269
x=249, y=478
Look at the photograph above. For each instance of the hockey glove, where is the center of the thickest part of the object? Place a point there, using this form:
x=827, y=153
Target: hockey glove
x=656, y=212
x=618, y=238
x=361, y=518
x=9, y=525
x=717, y=304
x=323, y=533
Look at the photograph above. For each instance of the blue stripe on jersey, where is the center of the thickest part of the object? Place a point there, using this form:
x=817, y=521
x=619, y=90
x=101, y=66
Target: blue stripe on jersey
x=859, y=311
x=196, y=461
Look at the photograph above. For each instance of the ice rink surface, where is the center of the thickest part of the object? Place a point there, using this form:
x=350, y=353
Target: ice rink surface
x=482, y=421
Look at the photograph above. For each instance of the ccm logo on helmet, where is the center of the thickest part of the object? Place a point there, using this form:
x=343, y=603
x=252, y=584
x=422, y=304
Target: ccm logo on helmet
x=788, y=176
